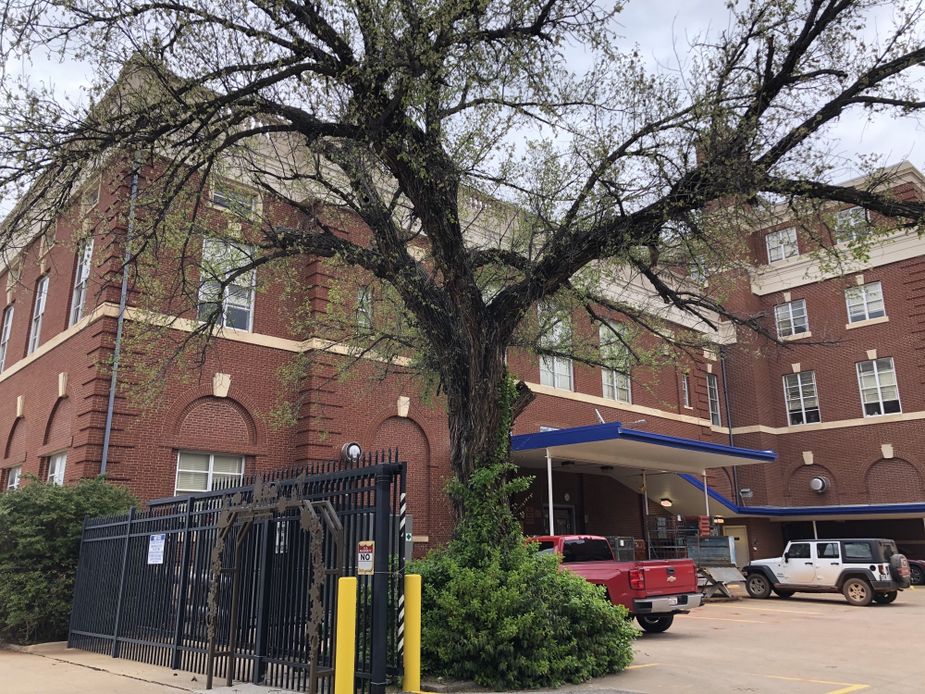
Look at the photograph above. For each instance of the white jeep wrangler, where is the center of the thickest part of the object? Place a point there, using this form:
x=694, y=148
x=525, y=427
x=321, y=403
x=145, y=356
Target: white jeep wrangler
x=863, y=570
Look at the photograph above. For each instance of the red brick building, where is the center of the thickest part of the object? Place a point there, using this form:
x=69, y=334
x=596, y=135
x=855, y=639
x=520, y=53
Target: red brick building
x=841, y=402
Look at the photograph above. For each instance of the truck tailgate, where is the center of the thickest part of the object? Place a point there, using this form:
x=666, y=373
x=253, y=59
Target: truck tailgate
x=669, y=576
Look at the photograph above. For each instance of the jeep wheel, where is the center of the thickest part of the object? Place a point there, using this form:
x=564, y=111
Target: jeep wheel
x=885, y=598
x=758, y=586
x=918, y=575
x=655, y=623
x=784, y=593
x=857, y=592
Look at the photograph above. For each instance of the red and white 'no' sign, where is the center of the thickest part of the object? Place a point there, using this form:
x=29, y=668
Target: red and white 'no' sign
x=366, y=555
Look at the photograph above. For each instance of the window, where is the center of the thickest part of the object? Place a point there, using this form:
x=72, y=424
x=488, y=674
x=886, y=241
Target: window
x=5, y=335
x=799, y=550
x=685, y=390
x=556, y=371
x=13, y=477
x=81, y=275
x=202, y=472
x=879, y=392
x=56, y=465
x=851, y=224
x=782, y=244
x=364, y=309
x=713, y=396
x=38, y=310
x=233, y=199
x=800, y=394
x=616, y=381
x=865, y=302
x=233, y=305
x=858, y=553
x=791, y=318
x=827, y=550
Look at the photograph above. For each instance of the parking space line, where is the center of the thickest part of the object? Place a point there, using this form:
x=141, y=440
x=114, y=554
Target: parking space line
x=640, y=666
x=724, y=619
x=771, y=609
x=844, y=687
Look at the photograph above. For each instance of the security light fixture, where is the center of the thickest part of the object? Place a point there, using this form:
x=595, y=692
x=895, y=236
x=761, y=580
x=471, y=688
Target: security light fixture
x=818, y=484
x=666, y=502
x=351, y=452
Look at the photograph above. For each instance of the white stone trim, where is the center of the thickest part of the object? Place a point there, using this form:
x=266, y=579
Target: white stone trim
x=866, y=322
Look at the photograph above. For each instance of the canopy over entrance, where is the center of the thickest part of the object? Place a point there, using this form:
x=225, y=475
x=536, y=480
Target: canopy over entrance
x=610, y=448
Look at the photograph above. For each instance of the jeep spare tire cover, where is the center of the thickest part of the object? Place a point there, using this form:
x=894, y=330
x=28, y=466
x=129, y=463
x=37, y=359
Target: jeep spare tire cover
x=899, y=568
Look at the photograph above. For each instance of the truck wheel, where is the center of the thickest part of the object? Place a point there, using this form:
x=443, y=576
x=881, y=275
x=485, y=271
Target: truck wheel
x=655, y=624
x=885, y=598
x=784, y=593
x=857, y=592
x=758, y=586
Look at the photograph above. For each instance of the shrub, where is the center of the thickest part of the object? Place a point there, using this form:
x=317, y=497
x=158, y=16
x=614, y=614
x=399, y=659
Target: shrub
x=40, y=528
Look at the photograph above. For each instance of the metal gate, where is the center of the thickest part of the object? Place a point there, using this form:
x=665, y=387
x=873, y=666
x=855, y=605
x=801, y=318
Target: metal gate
x=142, y=581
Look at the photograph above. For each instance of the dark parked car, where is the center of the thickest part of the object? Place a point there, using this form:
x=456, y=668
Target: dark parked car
x=917, y=569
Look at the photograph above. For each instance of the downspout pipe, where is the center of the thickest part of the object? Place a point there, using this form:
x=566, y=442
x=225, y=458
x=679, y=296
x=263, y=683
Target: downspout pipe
x=123, y=300
x=735, y=475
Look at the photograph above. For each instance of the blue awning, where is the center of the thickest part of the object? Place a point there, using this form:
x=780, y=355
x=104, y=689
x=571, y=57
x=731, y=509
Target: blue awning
x=612, y=444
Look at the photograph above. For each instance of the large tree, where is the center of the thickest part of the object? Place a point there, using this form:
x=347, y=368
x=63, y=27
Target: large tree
x=493, y=174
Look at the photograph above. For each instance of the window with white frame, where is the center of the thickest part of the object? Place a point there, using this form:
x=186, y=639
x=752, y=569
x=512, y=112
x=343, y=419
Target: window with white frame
x=13, y=477
x=364, y=309
x=231, y=198
x=81, y=277
x=5, y=335
x=865, y=302
x=879, y=391
x=713, y=397
x=802, y=399
x=203, y=472
x=851, y=224
x=556, y=371
x=56, y=465
x=231, y=305
x=614, y=351
x=38, y=310
x=685, y=390
x=782, y=244
x=791, y=318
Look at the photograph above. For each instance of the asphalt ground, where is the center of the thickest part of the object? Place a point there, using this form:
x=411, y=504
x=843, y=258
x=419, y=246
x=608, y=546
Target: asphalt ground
x=812, y=644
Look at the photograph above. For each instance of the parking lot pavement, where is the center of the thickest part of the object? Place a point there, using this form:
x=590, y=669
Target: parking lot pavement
x=806, y=644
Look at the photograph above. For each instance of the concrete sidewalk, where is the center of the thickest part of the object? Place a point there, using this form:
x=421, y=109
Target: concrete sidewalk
x=52, y=668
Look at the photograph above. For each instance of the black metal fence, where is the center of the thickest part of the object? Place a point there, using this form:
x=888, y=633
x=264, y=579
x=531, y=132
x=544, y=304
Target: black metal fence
x=143, y=580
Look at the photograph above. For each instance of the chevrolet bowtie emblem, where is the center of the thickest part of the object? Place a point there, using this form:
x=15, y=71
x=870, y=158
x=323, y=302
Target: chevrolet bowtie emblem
x=672, y=579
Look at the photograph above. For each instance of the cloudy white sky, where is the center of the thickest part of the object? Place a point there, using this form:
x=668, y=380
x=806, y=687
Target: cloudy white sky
x=663, y=29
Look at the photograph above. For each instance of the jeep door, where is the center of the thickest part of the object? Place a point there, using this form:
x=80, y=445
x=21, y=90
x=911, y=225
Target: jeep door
x=828, y=562
x=799, y=568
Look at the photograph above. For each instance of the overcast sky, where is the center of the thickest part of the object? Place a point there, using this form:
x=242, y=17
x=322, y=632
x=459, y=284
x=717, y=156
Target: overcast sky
x=664, y=29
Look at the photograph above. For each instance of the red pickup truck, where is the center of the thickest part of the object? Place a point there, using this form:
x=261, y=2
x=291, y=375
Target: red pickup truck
x=653, y=591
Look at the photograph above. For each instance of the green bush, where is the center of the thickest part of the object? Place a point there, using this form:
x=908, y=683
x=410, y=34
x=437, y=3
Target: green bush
x=40, y=528
x=518, y=622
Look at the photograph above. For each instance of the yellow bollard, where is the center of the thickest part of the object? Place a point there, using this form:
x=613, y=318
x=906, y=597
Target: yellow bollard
x=345, y=649
x=412, y=660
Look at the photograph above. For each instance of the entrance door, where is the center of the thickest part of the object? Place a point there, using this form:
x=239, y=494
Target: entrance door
x=739, y=535
x=564, y=517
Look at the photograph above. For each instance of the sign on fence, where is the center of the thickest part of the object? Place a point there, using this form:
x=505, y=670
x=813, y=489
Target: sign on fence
x=156, y=548
x=366, y=554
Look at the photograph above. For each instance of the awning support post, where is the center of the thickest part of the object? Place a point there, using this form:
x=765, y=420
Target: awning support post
x=815, y=532
x=552, y=526
x=645, y=505
x=706, y=493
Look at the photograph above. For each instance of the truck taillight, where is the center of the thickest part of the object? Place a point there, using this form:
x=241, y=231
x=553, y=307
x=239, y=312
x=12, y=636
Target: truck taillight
x=637, y=579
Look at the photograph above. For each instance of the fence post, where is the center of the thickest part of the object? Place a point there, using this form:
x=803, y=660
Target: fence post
x=345, y=649
x=380, y=648
x=181, y=591
x=74, y=597
x=412, y=655
x=115, y=628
